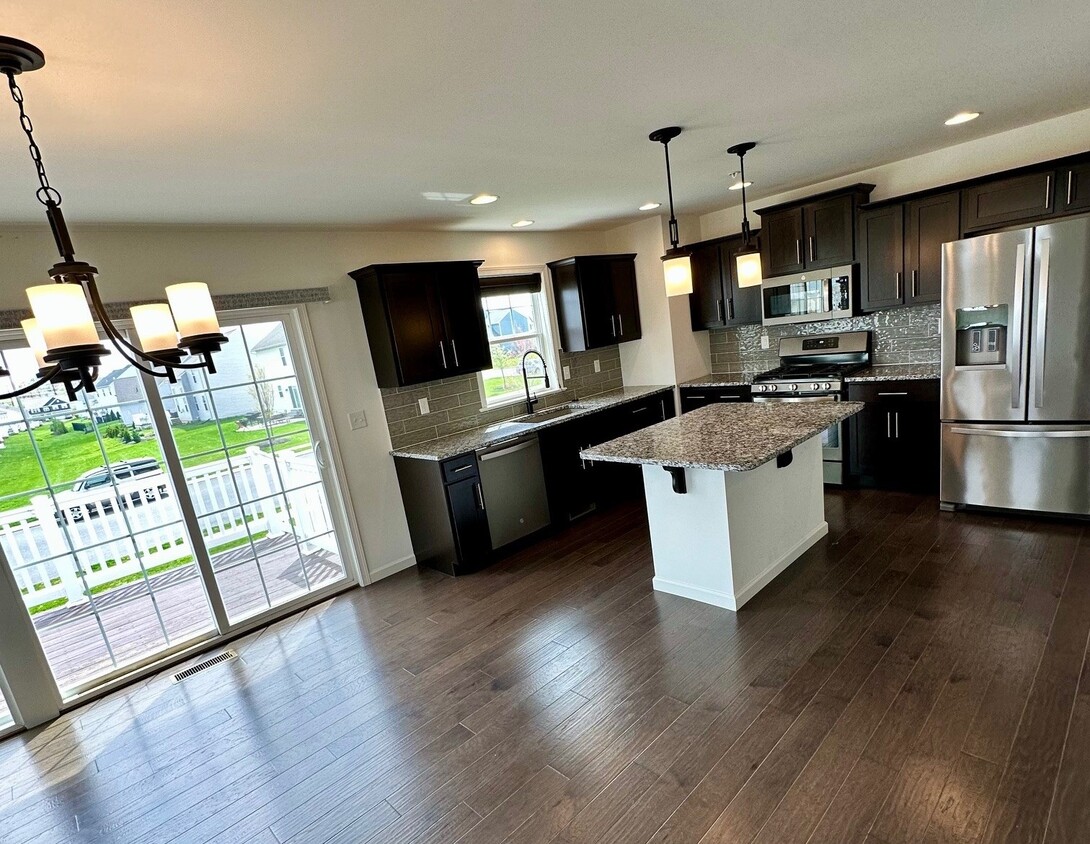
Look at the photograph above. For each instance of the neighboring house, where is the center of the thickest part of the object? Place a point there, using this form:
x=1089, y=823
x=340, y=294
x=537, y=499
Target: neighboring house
x=272, y=360
x=43, y=407
x=511, y=322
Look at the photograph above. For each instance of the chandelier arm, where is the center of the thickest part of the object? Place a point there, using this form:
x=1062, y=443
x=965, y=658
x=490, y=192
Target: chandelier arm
x=43, y=379
x=123, y=344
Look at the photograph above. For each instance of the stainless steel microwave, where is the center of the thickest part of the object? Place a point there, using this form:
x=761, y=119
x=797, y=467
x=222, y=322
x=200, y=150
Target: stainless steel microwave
x=809, y=297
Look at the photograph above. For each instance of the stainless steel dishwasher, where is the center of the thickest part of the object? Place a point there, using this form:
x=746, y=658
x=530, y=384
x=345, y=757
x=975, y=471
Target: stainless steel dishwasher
x=513, y=487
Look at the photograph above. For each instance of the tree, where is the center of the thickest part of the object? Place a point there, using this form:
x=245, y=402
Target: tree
x=263, y=393
x=57, y=427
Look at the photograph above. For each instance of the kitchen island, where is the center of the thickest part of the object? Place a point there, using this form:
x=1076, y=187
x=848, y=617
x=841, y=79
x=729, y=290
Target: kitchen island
x=734, y=493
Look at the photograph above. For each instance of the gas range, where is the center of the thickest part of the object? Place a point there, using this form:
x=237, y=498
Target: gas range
x=815, y=365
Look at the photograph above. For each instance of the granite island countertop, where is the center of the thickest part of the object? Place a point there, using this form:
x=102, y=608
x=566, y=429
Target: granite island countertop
x=494, y=434
x=898, y=372
x=725, y=437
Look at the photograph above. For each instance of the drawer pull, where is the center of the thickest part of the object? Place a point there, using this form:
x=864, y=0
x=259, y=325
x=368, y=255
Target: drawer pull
x=893, y=394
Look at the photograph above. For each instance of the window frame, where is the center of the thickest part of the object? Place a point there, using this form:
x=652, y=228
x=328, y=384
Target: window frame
x=545, y=316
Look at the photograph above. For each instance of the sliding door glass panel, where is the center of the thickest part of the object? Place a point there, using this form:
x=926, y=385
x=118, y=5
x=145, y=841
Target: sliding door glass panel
x=90, y=524
x=246, y=444
x=6, y=718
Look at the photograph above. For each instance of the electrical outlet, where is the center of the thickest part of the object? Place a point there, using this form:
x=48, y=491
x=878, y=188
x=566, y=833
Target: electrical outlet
x=567, y=373
x=597, y=365
x=424, y=409
x=357, y=419
x=764, y=341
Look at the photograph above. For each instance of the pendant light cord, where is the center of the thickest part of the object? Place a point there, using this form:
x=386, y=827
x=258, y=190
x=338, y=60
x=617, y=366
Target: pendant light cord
x=674, y=237
x=745, y=216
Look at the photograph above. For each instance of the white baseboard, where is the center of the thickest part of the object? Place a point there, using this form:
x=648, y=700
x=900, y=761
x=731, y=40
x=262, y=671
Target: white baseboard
x=393, y=568
x=743, y=595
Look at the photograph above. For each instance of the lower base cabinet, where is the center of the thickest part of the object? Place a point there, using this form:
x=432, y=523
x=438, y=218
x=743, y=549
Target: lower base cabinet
x=694, y=397
x=894, y=441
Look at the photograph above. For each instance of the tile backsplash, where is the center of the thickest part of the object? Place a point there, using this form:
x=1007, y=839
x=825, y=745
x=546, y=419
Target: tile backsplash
x=900, y=335
x=455, y=403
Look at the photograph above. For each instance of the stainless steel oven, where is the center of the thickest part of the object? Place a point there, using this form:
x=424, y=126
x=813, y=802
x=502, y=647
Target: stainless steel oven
x=809, y=297
x=832, y=438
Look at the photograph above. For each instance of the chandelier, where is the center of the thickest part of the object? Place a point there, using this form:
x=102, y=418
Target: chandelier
x=62, y=333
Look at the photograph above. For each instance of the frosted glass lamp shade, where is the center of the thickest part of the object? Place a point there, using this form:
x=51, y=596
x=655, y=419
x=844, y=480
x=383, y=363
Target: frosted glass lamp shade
x=748, y=265
x=678, y=272
x=194, y=313
x=155, y=327
x=36, y=340
x=63, y=315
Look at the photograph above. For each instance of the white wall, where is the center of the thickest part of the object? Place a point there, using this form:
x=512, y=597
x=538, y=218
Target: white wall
x=137, y=261
x=1065, y=135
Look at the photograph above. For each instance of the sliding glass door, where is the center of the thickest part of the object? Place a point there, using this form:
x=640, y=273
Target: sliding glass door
x=136, y=516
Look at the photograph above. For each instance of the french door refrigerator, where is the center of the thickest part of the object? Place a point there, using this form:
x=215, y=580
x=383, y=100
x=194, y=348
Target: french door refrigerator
x=1016, y=370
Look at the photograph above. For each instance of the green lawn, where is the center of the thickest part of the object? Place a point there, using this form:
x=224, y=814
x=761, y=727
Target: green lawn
x=67, y=456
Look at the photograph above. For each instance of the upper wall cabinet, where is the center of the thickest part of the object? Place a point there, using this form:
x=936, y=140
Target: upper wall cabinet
x=1003, y=202
x=717, y=301
x=596, y=300
x=900, y=250
x=1074, y=184
x=424, y=320
x=814, y=233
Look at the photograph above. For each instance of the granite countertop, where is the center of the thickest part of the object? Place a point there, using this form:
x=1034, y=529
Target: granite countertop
x=898, y=372
x=455, y=444
x=725, y=437
x=736, y=379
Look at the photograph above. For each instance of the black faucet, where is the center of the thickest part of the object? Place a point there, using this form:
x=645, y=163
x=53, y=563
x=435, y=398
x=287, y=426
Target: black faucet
x=530, y=402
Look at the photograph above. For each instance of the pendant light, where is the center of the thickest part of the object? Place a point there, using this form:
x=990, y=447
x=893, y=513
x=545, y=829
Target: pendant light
x=63, y=334
x=748, y=258
x=677, y=269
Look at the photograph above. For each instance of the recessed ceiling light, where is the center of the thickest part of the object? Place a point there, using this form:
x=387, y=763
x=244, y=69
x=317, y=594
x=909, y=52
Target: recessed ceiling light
x=962, y=117
x=521, y=224
x=650, y=206
x=445, y=196
x=738, y=185
x=483, y=199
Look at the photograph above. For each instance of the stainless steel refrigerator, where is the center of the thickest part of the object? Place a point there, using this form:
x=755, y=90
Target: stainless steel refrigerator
x=1016, y=370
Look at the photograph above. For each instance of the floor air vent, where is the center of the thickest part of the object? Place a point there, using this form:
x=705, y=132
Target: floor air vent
x=226, y=656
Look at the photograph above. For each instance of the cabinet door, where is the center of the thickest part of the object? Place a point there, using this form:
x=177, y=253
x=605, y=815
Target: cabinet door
x=929, y=223
x=1006, y=201
x=463, y=321
x=470, y=523
x=416, y=325
x=781, y=243
x=743, y=305
x=881, y=257
x=707, y=304
x=596, y=301
x=830, y=232
x=626, y=302
x=1074, y=182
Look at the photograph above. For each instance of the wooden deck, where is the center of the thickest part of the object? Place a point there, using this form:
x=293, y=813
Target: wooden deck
x=73, y=639
x=914, y=678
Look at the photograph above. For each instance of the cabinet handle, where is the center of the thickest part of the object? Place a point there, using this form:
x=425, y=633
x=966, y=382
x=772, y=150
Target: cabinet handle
x=443, y=354
x=730, y=308
x=1048, y=188
x=454, y=349
x=620, y=325
x=811, y=240
x=612, y=325
x=897, y=424
x=1070, y=180
x=897, y=280
x=463, y=468
x=719, y=309
x=480, y=495
x=893, y=394
x=915, y=283
x=798, y=251
x=889, y=425
x=694, y=396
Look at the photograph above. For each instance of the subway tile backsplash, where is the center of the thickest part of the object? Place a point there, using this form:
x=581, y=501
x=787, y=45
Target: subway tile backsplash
x=900, y=335
x=455, y=403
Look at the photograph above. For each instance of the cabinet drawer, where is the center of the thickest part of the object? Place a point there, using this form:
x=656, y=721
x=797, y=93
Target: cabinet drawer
x=894, y=391
x=694, y=397
x=459, y=468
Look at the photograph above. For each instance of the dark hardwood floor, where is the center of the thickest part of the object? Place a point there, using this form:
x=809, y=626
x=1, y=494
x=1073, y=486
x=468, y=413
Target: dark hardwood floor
x=916, y=677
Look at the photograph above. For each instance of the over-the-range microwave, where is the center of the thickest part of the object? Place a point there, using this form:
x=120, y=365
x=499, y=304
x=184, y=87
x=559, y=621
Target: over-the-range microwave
x=810, y=296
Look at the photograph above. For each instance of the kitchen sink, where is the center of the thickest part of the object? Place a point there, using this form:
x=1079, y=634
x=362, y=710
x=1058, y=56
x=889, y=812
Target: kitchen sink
x=545, y=415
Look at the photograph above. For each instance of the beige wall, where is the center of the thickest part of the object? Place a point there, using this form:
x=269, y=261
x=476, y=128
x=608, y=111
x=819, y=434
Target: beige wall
x=136, y=262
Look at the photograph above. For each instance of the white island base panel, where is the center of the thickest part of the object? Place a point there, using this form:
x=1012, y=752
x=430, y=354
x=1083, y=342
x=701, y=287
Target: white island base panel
x=731, y=533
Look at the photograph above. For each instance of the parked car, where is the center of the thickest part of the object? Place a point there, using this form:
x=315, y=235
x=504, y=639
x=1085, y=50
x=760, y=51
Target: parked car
x=103, y=477
x=122, y=471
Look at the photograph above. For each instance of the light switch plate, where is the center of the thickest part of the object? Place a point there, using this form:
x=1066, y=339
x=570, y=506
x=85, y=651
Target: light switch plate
x=567, y=373
x=764, y=341
x=424, y=409
x=597, y=365
x=357, y=419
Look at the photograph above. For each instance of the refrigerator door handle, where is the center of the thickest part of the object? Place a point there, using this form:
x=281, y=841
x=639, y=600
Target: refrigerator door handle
x=1031, y=433
x=1014, y=338
x=1039, y=318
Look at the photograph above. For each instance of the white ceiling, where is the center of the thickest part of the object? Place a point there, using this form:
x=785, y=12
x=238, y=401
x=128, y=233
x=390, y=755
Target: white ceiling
x=342, y=112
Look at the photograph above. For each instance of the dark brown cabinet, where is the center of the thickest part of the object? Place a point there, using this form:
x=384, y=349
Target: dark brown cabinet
x=424, y=321
x=596, y=300
x=717, y=301
x=1074, y=184
x=894, y=440
x=900, y=250
x=1002, y=202
x=817, y=232
x=695, y=397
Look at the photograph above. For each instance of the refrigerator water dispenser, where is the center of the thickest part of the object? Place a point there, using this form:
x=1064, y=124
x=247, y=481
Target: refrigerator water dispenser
x=981, y=336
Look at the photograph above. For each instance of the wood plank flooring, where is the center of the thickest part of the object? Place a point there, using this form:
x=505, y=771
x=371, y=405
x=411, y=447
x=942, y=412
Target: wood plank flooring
x=917, y=677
